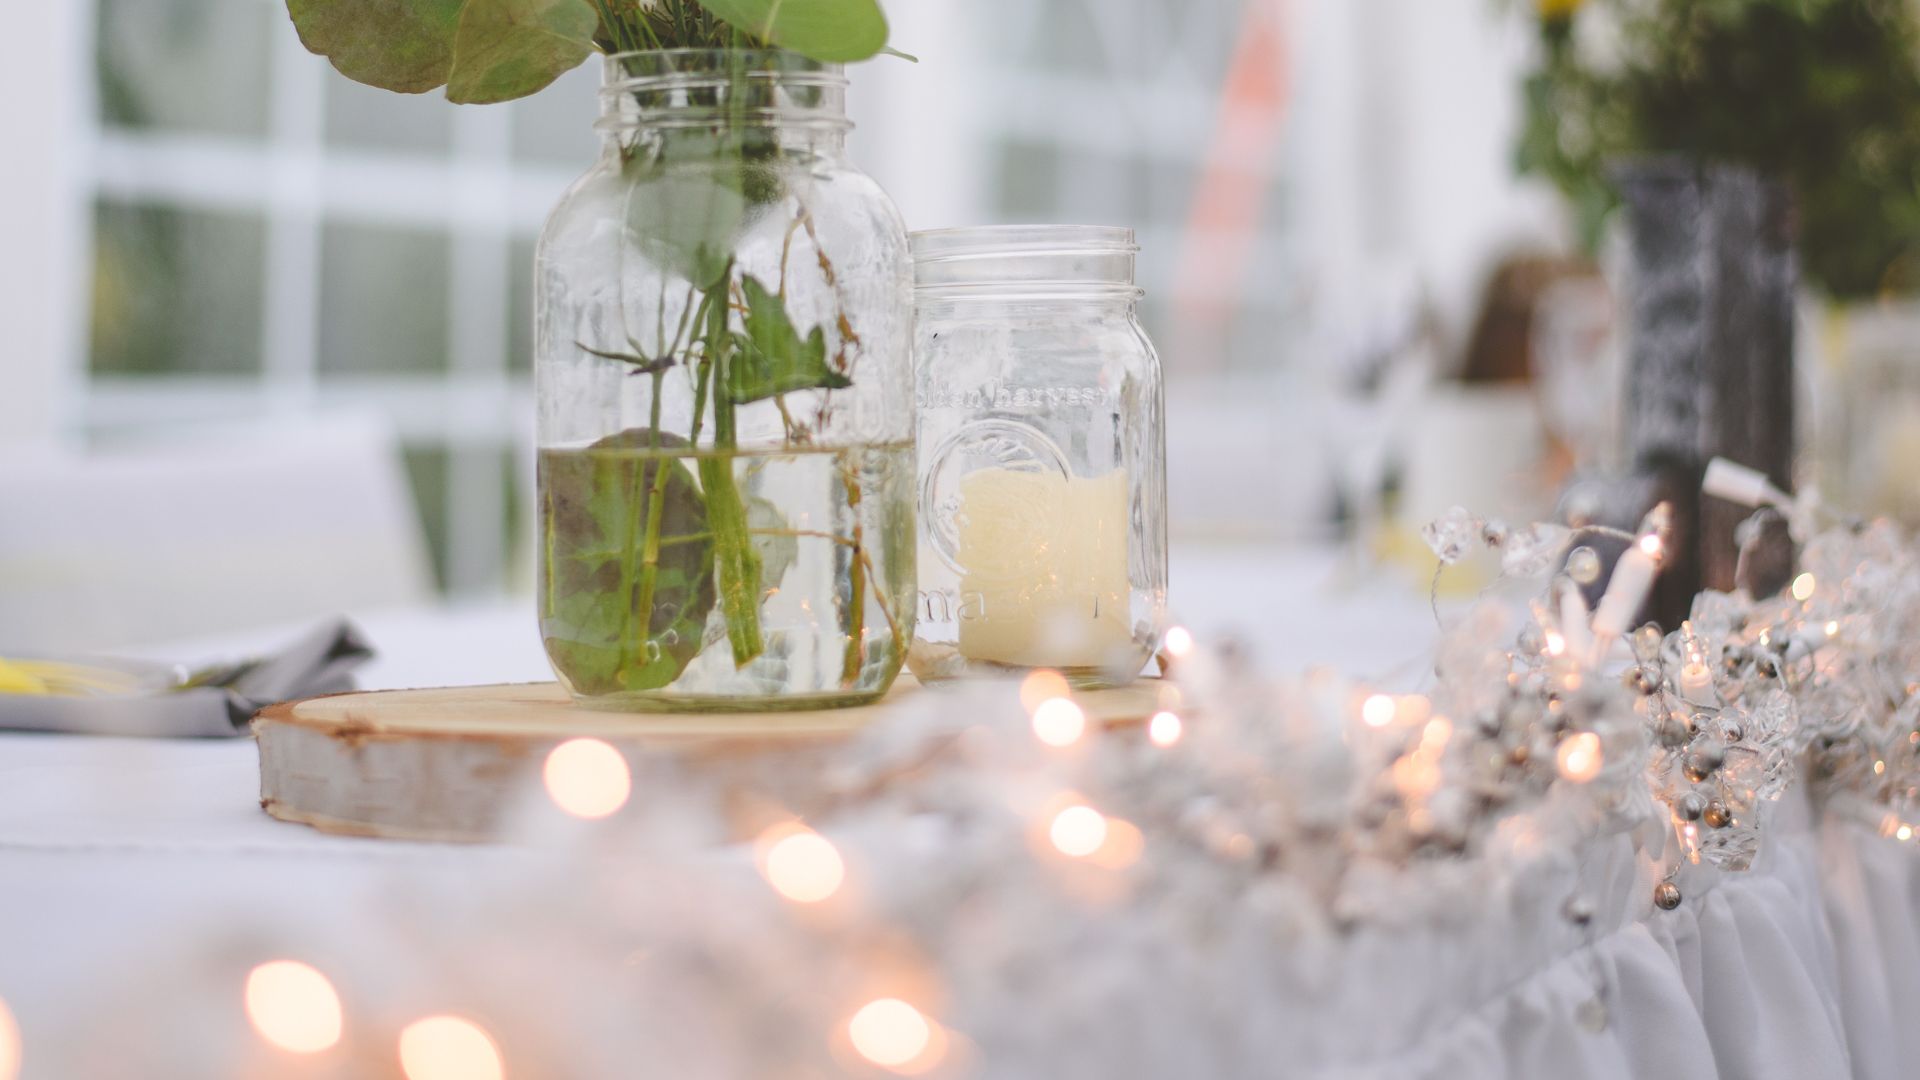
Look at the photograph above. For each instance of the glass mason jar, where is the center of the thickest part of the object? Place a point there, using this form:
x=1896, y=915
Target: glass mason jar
x=723, y=306
x=1043, y=525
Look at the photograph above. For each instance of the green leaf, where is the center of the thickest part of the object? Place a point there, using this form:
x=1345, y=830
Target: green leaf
x=686, y=204
x=772, y=358
x=481, y=50
x=594, y=508
x=401, y=45
x=831, y=31
x=505, y=49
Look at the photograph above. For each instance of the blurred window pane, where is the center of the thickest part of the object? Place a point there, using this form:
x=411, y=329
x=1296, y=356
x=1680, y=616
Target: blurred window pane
x=1028, y=183
x=175, y=291
x=192, y=65
x=363, y=117
x=555, y=126
x=383, y=300
x=520, y=309
x=427, y=469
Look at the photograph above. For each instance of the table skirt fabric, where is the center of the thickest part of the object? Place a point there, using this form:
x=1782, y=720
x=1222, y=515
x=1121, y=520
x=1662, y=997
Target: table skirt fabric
x=1805, y=967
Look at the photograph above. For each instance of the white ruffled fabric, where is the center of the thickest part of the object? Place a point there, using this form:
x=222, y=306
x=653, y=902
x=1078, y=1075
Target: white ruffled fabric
x=1806, y=966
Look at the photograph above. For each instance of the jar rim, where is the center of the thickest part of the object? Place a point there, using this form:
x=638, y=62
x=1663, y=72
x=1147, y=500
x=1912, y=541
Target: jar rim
x=972, y=241
x=646, y=67
x=1029, y=260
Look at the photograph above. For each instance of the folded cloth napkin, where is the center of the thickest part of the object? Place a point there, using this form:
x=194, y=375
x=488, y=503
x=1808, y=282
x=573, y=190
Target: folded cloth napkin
x=213, y=702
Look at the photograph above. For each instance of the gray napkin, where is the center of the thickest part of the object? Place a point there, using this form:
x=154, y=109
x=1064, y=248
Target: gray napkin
x=213, y=702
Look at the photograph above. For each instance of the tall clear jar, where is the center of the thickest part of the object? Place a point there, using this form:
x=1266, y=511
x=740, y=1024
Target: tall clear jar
x=1040, y=423
x=723, y=314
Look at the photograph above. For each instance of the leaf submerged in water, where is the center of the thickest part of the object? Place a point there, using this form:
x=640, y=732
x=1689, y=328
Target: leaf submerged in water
x=596, y=507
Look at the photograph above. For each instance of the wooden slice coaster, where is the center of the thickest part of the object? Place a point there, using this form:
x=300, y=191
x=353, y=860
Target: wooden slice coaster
x=448, y=764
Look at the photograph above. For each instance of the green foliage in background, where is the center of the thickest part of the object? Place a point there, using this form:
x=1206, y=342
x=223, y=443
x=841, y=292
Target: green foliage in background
x=1822, y=93
x=496, y=50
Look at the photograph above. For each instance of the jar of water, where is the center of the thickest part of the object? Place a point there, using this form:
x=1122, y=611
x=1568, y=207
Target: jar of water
x=1041, y=456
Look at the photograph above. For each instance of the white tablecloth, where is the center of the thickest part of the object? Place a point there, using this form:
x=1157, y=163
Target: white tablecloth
x=118, y=854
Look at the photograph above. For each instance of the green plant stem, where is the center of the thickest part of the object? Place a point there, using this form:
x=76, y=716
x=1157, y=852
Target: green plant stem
x=857, y=579
x=736, y=563
x=656, y=496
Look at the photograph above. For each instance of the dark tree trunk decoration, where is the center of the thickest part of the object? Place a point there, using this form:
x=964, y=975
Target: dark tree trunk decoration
x=1709, y=322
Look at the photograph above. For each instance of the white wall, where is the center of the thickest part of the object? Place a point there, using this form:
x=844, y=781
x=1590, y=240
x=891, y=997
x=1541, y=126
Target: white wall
x=1402, y=148
x=45, y=83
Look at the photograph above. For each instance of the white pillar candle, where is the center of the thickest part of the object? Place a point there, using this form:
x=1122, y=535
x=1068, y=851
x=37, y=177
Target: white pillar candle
x=1632, y=579
x=1573, y=624
x=1696, y=682
x=1043, y=560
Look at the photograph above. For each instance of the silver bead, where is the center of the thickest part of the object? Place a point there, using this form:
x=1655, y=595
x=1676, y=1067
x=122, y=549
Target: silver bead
x=1703, y=758
x=1592, y=1015
x=1666, y=896
x=1578, y=911
x=1690, y=806
x=1583, y=565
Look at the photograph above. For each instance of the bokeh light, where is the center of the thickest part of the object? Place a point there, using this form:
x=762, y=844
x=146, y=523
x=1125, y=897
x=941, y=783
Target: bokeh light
x=892, y=1034
x=1377, y=710
x=1041, y=685
x=9, y=1044
x=800, y=864
x=1580, y=757
x=588, y=778
x=292, y=1006
x=1164, y=729
x=449, y=1048
x=1803, y=587
x=1078, y=831
x=1059, y=722
x=1179, y=642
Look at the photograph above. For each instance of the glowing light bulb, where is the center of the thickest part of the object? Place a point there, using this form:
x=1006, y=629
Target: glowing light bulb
x=1164, y=729
x=1832, y=627
x=1377, y=710
x=290, y=1005
x=1651, y=544
x=1059, y=722
x=890, y=1033
x=1179, y=642
x=1580, y=757
x=1904, y=832
x=9, y=1044
x=1556, y=645
x=449, y=1048
x=1803, y=587
x=587, y=778
x=800, y=864
x=1041, y=686
x=1078, y=831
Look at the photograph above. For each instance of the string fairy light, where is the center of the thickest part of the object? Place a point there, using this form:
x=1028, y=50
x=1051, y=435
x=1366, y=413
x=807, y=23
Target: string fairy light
x=1078, y=831
x=449, y=1048
x=1058, y=722
x=1164, y=729
x=894, y=1035
x=800, y=864
x=1378, y=710
x=291, y=1006
x=1040, y=685
x=10, y=1049
x=1179, y=642
x=587, y=778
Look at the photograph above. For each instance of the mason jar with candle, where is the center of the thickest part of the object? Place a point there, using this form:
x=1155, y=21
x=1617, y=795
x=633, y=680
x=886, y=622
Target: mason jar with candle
x=1042, y=456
